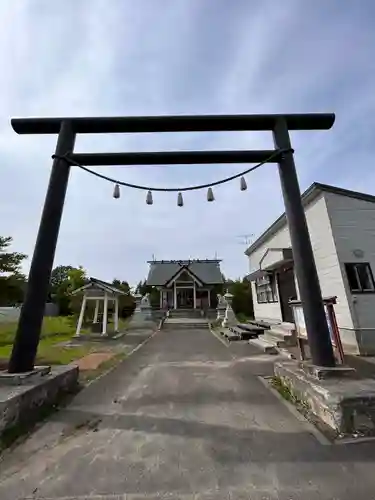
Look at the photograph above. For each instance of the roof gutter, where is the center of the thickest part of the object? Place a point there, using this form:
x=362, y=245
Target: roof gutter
x=307, y=197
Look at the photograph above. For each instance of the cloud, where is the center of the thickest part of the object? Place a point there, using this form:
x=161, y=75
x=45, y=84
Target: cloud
x=178, y=57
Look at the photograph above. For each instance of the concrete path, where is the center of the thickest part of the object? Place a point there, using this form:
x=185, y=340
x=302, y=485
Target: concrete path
x=185, y=417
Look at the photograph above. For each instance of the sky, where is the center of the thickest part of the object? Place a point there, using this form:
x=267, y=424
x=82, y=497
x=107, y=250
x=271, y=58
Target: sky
x=173, y=57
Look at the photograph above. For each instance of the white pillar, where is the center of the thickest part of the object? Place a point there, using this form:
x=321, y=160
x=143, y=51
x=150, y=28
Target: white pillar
x=209, y=298
x=175, y=296
x=96, y=312
x=116, y=314
x=105, y=314
x=195, y=297
x=81, y=315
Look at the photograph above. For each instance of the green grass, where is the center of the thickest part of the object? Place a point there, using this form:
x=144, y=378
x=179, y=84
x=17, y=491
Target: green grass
x=60, y=327
x=58, y=355
x=242, y=318
x=283, y=389
x=123, y=324
x=55, y=330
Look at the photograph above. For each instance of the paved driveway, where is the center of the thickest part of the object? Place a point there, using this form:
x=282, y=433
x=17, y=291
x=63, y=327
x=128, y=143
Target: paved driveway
x=184, y=417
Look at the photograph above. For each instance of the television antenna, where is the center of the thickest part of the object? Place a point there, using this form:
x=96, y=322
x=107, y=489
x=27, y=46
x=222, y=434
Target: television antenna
x=246, y=239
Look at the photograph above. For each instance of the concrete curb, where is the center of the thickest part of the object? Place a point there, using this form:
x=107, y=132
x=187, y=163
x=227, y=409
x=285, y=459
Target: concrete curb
x=319, y=436
x=311, y=427
x=221, y=339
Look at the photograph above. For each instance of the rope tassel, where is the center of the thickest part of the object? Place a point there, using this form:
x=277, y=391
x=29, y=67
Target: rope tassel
x=180, y=200
x=210, y=195
x=149, y=199
x=116, y=191
x=243, y=184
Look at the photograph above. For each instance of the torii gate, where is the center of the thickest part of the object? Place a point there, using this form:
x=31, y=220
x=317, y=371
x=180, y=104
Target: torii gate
x=31, y=317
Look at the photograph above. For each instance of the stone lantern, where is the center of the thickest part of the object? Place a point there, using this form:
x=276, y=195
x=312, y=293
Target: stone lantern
x=146, y=308
x=138, y=299
x=221, y=306
x=229, y=316
x=142, y=314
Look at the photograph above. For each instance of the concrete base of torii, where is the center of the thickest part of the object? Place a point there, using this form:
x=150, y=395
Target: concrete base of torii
x=336, y=396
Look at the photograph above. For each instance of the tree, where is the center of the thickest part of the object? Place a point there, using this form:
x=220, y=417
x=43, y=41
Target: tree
x=10, y=262
x=143, y=288
x=65, y=279
x=59, y=275
x=122, y=285
x=12, y=289
x=242, y=297
x=76, y=278
x=126, y=302
x=12, y=281
x=154, y=297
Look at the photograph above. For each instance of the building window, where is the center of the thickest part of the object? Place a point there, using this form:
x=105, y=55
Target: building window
x=360, y=277
x=266, y=289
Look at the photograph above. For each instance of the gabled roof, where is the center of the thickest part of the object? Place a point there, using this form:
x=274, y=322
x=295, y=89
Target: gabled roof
x=100, y=284
x=184, y=268
x=307, y=197
x=206, y=271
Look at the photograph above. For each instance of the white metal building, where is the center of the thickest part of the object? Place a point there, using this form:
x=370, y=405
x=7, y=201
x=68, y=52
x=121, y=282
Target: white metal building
x=342, y=230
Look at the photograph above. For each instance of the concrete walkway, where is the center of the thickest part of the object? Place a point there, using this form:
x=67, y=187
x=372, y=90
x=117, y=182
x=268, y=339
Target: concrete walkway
x=185, y=417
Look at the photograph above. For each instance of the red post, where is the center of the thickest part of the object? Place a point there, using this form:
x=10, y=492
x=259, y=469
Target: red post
x=335, y=332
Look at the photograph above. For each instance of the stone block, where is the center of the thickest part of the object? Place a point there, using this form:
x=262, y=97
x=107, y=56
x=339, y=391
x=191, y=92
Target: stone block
x=229, y=318
x=264, y=346
x=24, y=378
x=346, y=405
x=146, y=312
x=21, y=403
x=324, y=372
x=138, y=321
x=96, y=337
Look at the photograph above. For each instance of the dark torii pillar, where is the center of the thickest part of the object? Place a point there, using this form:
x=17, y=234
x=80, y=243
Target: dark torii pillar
x=30, y=321
x=304, y=263
x=31, y=317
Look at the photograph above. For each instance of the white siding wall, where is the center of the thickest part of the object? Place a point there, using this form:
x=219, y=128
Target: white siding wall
x=353, y=223
x=272, y=310
x=326, y=260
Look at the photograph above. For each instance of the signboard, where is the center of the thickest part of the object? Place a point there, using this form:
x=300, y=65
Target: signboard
x=299, y=320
